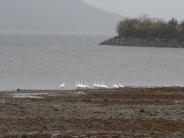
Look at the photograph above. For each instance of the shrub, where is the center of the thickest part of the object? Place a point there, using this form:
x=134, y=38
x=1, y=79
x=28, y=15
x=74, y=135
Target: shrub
x=150, y=27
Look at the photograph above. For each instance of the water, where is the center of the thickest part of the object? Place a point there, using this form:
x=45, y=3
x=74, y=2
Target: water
x=43, y=61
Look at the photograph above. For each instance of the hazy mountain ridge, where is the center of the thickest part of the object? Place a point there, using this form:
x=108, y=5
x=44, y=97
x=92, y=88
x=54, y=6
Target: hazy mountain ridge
x=55, y=16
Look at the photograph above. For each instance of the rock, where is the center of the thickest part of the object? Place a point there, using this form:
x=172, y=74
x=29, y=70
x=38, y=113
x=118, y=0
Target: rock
x=142, y=111
x=145, y=42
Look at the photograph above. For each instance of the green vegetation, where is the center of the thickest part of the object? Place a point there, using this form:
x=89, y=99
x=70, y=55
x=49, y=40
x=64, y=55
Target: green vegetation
x=150, y=27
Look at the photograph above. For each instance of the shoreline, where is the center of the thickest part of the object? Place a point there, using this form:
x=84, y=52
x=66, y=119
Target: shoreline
x=91, y=89
x=144, y=42
x=126, y=112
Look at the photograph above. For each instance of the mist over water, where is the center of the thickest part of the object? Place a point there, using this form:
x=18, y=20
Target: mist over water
x=43, y=61
x=55, y=16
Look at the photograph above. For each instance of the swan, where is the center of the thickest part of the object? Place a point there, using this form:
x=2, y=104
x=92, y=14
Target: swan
x=86, y=86
x=77, y=84
x=62, y=85
x=104, y=86
x=120, y=85
x=80, y=85
x=115, y=85
x=95, y=85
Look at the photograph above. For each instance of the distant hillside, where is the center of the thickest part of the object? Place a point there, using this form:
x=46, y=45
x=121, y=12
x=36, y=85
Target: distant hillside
x=55, y=16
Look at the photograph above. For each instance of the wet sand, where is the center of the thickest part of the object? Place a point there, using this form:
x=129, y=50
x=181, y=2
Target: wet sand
x=116, y=113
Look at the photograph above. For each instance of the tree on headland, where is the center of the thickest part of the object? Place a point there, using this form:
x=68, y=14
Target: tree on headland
x=150, y=27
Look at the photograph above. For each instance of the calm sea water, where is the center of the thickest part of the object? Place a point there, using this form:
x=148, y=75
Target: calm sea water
x=42, y=61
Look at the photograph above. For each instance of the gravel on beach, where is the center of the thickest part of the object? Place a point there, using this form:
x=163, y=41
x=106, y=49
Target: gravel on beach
x=116, y=113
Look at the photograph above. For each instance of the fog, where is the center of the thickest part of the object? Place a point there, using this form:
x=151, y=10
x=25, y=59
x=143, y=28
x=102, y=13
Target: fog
x=80, y=16
x=54, y=16
x=156, y=8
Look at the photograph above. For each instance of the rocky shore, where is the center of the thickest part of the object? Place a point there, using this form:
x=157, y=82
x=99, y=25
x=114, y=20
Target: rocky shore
x=145, y=42
x=113, y=113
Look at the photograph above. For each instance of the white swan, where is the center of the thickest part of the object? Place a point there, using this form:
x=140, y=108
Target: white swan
x=120, y=85
x=86, y=86
x=95, y=85
x=104, y=86
x=62, y=85
x=80, y=85
x=115, y=85
x=76, y=85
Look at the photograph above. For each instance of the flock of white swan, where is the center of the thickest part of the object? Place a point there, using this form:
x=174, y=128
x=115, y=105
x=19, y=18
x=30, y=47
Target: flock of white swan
x=84, y=85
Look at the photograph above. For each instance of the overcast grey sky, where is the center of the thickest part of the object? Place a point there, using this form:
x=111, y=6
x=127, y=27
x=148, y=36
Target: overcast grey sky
x=156, y=8
x=55, y=16
x=77, y=16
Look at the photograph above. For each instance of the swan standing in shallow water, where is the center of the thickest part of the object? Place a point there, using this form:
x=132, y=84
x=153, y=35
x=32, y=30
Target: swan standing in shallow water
x=80, y=85
x=95, y=85
x=86, y=86
x=104, y=86
x=115, y=86
x=120, y=85
x=62, y=85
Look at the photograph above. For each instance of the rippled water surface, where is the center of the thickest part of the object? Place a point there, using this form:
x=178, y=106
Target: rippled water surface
x=42, y=61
